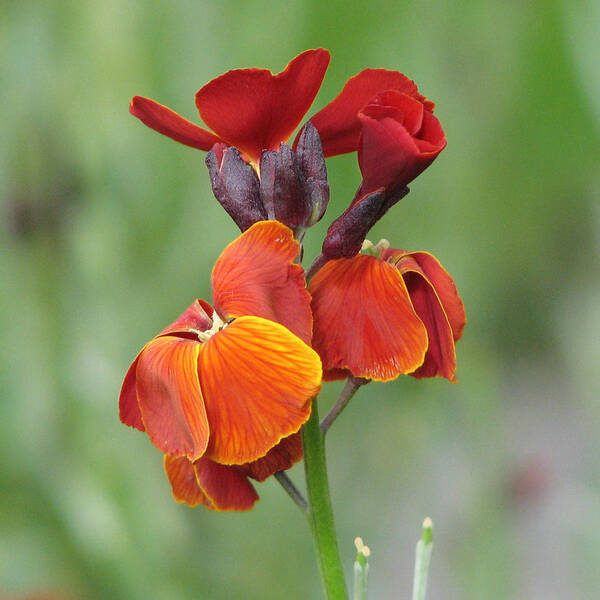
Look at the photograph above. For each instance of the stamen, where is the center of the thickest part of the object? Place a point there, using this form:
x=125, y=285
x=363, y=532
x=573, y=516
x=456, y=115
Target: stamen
x=217, y=325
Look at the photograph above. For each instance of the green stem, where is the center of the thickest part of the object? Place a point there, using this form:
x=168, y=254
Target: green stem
x=320, y=514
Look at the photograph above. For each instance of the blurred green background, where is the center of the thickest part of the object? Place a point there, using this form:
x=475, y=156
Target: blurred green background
x=109, y=231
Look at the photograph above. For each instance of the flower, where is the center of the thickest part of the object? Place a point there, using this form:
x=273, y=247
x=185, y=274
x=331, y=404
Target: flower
x=250, y=109
x=381, y=114
x=227, y=384
x=380, y=316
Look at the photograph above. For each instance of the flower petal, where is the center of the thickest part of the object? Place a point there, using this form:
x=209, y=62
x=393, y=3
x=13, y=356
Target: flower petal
x=257, y=379
x=170, y=398
x=182, y=477
x=338, y=122
x=129, y=409
x=279, y=458
x=196, y=317
x=440, y=359
x=169, y=123
x=445, y=289
x=226, y=487
x=255, y=275
x=254, y=110
x=364, y=320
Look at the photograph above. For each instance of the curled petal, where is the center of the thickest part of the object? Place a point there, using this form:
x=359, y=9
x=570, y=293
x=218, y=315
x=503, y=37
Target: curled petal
x=445, y=289
x=279, y=458
x=364, y=320
x=182, y=477
x=169, y=396
x=440, y=359
x=129, y=410
x=257, y=379
x=255, y=275
x=338, y=122
x=197, y=317
x=254, y=110
x=169, y=123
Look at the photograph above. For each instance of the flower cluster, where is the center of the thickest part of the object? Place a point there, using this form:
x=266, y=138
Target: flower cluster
x=225, y=389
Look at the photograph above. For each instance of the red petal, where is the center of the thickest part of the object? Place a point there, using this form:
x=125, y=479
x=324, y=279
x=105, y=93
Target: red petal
x=129, y=410
x=182, y=477
x=169, y=123
x=445, y=289
x=169, y=396
x=254, y=110
x=257, y=379
x=364, y=320
x=338, y=122
x=255, y=275
x=197, y=317
x=226, y=487
x=279, y=458
x=440, y=359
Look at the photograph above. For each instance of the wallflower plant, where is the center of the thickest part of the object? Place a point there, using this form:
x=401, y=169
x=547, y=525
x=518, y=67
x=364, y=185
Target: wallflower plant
x=228, y=392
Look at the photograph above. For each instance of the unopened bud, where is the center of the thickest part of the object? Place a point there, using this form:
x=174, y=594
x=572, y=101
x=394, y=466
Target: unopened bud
x=235, y=185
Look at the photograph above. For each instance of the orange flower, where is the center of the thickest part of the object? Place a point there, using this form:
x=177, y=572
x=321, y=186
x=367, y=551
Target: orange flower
x=378, y=317
x=227, y=384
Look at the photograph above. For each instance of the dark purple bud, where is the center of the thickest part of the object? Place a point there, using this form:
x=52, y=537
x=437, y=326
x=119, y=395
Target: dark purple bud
x=311, y=161
x=282, y=188
x=235, y=185
x=347, y=233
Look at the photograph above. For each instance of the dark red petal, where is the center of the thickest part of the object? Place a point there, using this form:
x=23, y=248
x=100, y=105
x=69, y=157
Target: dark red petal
x=182, y=477
x=364, y=320
x=279, y=458
x=445, y=289
x=169, y=396
x=410, y=109
x=254, y=110
x=257, y=380
x=440, y=359
x=169, y=123
x=129, y=409
x=338, y=122
x=226, y=487
x=388, y=156
x=255, y=275
x=197, y=317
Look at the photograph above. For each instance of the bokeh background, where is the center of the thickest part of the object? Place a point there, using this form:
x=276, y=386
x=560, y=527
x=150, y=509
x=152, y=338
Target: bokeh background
x=108, y=230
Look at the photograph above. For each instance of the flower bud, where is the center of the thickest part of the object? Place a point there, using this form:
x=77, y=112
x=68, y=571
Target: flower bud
x=235, y=185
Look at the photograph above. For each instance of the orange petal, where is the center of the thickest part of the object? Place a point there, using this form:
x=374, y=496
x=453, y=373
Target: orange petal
x=170, y=398
x=129, y=409
x=279, y=458
x=440, y=359
x=226, y=487
x=364, y=320
x=182, y=477
x=257, y=379
x=255, y=275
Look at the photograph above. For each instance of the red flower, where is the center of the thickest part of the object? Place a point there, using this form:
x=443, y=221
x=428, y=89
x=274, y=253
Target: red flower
x=379, y=317
x=251, y=109
x=382, y=115
x=227, y=384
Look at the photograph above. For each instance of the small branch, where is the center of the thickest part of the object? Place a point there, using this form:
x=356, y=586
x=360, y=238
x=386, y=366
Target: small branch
x=347, y=393
x=292, y=491
x=317, y=264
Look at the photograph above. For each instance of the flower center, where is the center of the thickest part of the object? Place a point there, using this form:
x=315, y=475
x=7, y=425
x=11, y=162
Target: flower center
x=217, y=325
